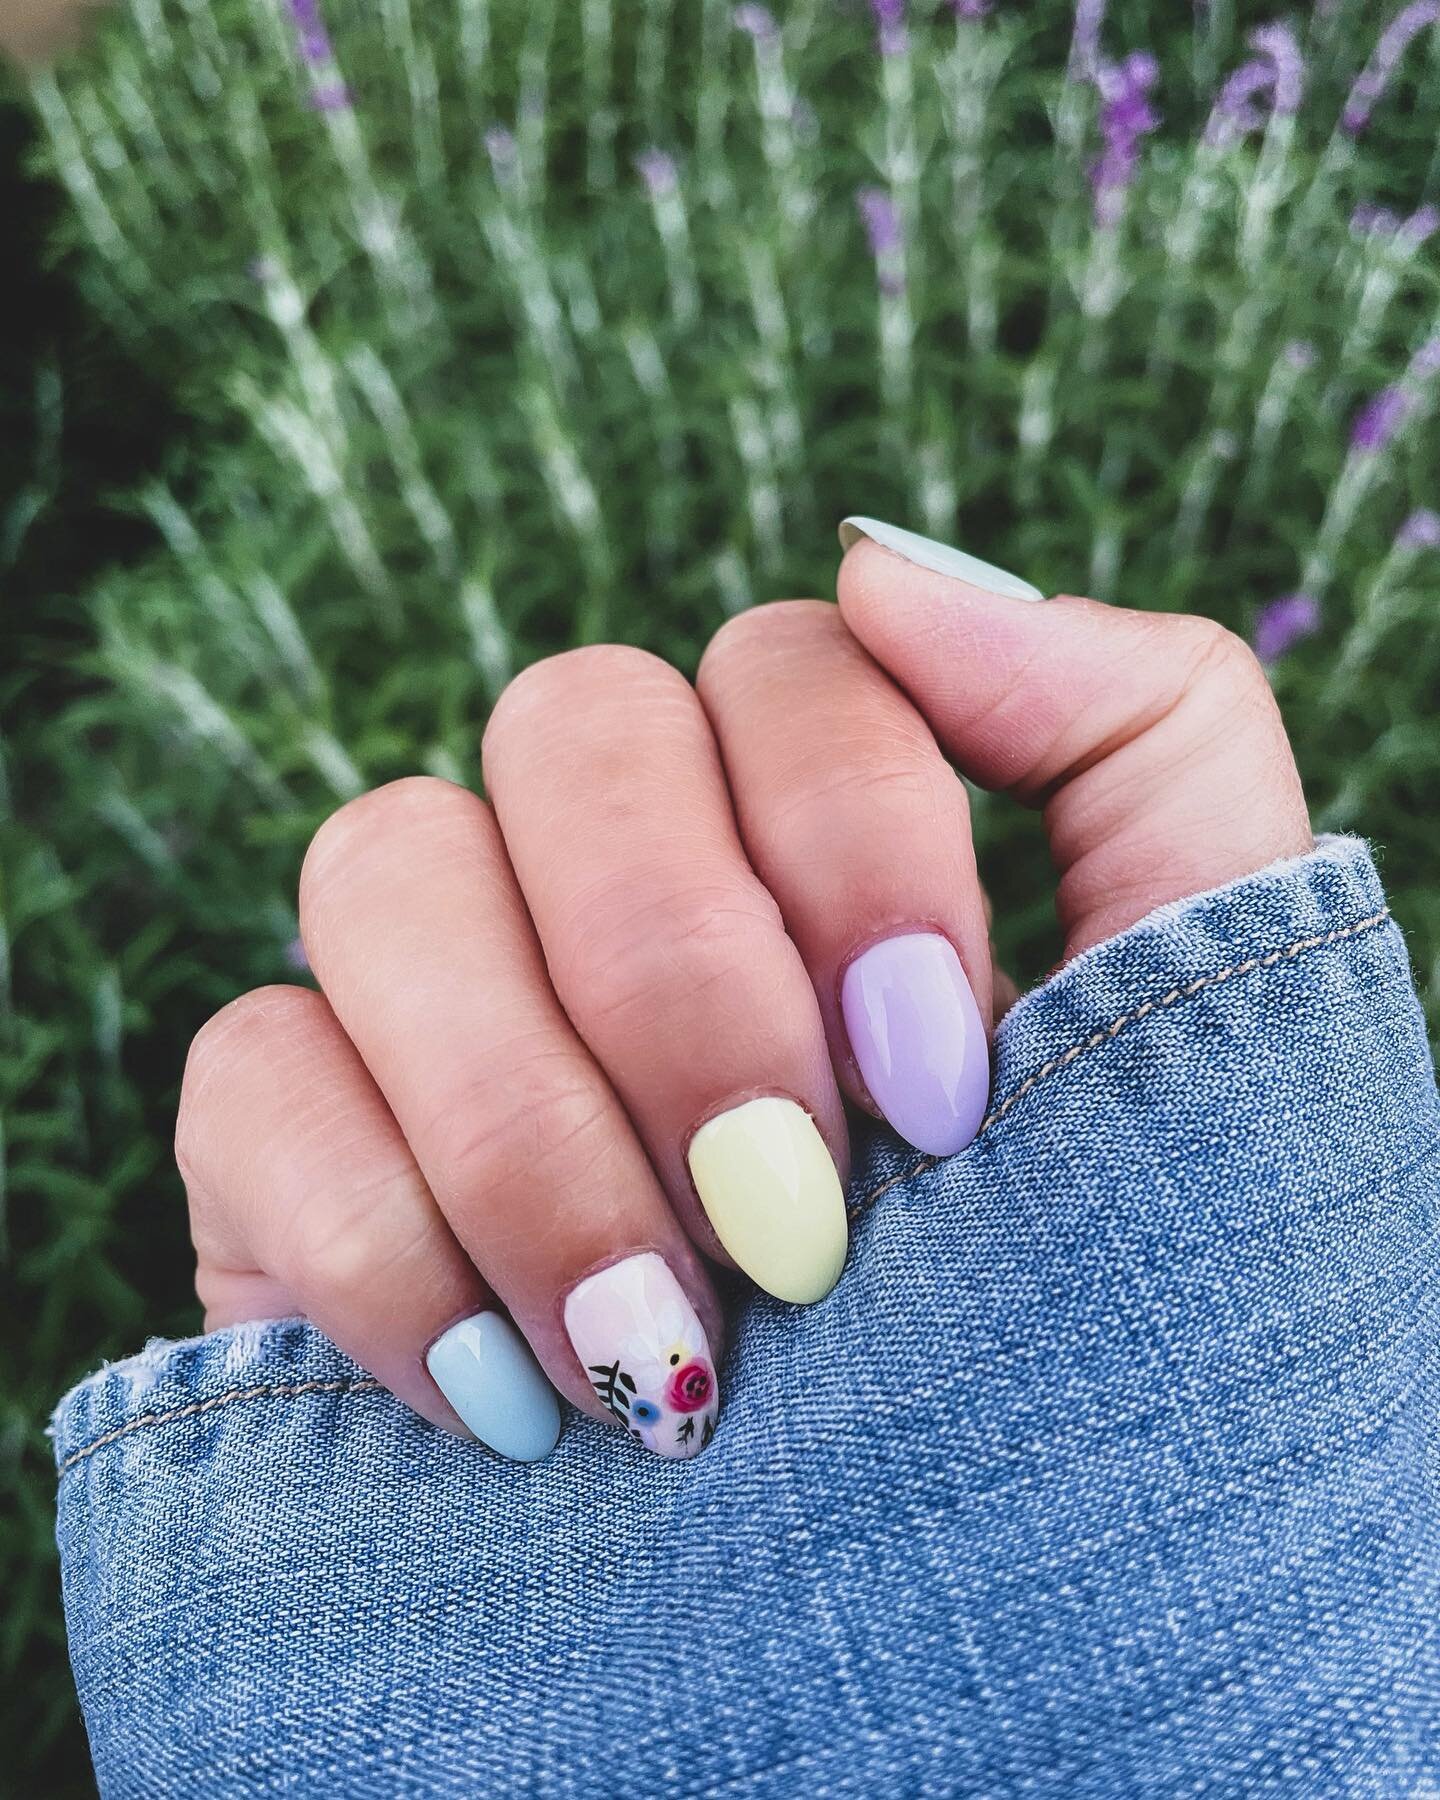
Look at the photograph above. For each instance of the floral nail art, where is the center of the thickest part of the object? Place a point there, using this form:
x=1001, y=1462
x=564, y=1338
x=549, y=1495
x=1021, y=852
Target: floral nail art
x=646, y=1354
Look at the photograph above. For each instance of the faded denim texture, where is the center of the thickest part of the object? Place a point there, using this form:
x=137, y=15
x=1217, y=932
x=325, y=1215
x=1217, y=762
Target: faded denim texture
x=1112, y=1466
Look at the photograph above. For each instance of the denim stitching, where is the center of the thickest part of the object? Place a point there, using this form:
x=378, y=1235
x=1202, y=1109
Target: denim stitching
x=1097, y=1039
x=1107, y=1033
x=275, y=1390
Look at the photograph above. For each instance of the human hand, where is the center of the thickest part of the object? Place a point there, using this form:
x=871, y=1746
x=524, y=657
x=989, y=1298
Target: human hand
x=578, y=1043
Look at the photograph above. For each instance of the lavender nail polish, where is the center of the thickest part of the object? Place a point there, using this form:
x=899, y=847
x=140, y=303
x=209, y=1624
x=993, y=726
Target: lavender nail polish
x=917, y=1035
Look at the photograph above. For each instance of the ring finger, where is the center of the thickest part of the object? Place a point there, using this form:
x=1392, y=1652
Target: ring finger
x=415, y=927
x=861, y=830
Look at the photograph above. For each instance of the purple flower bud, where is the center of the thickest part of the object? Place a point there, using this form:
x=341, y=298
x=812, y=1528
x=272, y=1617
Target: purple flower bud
x=1422, y=224
x=658, y=172
x=1279, y=71
x=1279, y=43
x=1126, y=116
x=1235, y=114
x=971, y=9
x=334, y=96
x=890, y=25
x=1300, y=355
x=1421, y=531
x=1374, y=78
x=1282, y=623
x=882, y=230
x=1369, y=220
x=1085, y=40
x=1378, y=420
x=756, y=22
x=310, y=31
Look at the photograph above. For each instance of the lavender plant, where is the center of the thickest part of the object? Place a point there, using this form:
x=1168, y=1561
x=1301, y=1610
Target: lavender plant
x=496, y=325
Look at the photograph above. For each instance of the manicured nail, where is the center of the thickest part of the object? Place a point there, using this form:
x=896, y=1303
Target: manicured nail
x=940, y=558
x=772, y=1192
x=646, y=1354
x=916, y=1033
x=485, y=1370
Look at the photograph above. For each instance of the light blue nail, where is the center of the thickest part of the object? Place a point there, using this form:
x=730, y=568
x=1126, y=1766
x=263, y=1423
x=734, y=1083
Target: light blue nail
x=927, y=554
x=485, y=1370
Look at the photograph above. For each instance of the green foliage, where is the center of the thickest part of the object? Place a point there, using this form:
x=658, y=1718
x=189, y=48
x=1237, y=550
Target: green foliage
x=393, y=396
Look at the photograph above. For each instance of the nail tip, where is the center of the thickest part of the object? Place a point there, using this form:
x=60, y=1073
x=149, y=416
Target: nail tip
x=770, y=1188
x=645, y=1352
x=938, y=558
x=489, y=1375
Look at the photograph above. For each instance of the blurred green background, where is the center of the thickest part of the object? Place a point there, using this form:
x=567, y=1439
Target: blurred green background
x=350, y=372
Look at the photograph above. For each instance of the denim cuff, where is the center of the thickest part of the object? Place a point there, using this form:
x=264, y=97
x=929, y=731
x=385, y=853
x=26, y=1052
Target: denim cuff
x=1110, y=1466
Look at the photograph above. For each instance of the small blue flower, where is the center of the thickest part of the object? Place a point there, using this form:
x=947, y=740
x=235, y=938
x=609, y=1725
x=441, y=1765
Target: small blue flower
x=644, y=1412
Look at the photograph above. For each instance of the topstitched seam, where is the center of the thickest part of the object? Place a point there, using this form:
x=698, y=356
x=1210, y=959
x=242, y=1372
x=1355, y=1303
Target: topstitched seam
x=1106, y=1034
x=347, y=1385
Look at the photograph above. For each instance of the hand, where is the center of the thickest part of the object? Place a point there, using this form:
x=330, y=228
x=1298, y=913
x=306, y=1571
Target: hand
x=576, y=1044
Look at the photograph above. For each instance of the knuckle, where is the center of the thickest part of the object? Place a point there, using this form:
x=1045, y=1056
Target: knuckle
x=632, y=963
x=337, y=1250
x=913, y=787
x=248, y=1028
x=377, y=816
x=759, y=629
x=539, y=1105
x=1215, y=654
x=556, y=685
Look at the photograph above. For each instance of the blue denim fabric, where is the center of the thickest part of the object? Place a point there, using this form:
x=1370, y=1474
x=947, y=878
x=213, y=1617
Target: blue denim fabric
x=1111, y=1467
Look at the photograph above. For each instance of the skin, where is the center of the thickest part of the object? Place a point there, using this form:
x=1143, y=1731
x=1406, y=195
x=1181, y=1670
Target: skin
x=529, y=1005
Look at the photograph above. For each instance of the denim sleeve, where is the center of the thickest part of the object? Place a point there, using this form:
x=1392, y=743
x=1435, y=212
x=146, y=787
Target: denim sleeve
x=1112, y=1466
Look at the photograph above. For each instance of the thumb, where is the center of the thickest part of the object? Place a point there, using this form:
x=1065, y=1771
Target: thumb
x=1151, y=740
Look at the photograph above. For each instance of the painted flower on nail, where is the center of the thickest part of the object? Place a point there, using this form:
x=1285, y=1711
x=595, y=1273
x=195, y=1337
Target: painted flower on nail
x=690, y=1387
x=645, y=1353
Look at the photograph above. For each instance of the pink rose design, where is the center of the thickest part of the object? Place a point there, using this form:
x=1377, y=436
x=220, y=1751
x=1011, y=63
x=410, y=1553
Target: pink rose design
x=690, y=1387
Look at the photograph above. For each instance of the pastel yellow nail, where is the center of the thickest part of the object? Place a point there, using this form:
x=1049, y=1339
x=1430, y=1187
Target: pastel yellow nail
x=771, y=1191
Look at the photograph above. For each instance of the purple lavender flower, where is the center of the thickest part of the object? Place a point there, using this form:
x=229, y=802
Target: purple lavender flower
x=1278, y=71
x=1379, y=419
x=890, y=25
x=882, y=229
x=971, y=9
x=333, y=96
x=757, y=22
x=1422, y=225
x=310, y=30
x=1235, y=113
x=1126, y=116
x=1278, y=42
x=1421, y=531
x=658, y=172
x=1282, y=624
x=1085, y=40
x=1426, y=360
x=1370, y=220
x=1374, y=78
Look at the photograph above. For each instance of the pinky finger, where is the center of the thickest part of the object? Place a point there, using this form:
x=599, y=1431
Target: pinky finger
x=304, y=1196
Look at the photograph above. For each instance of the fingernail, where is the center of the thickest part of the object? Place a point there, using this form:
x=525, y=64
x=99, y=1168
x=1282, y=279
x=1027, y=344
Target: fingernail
x=646, y=1354
x=917, y=1035
x=771, y=1190
x=941, y=558
x=484, y=1368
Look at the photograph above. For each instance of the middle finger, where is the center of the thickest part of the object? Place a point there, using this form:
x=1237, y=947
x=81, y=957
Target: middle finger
x=670, y=957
